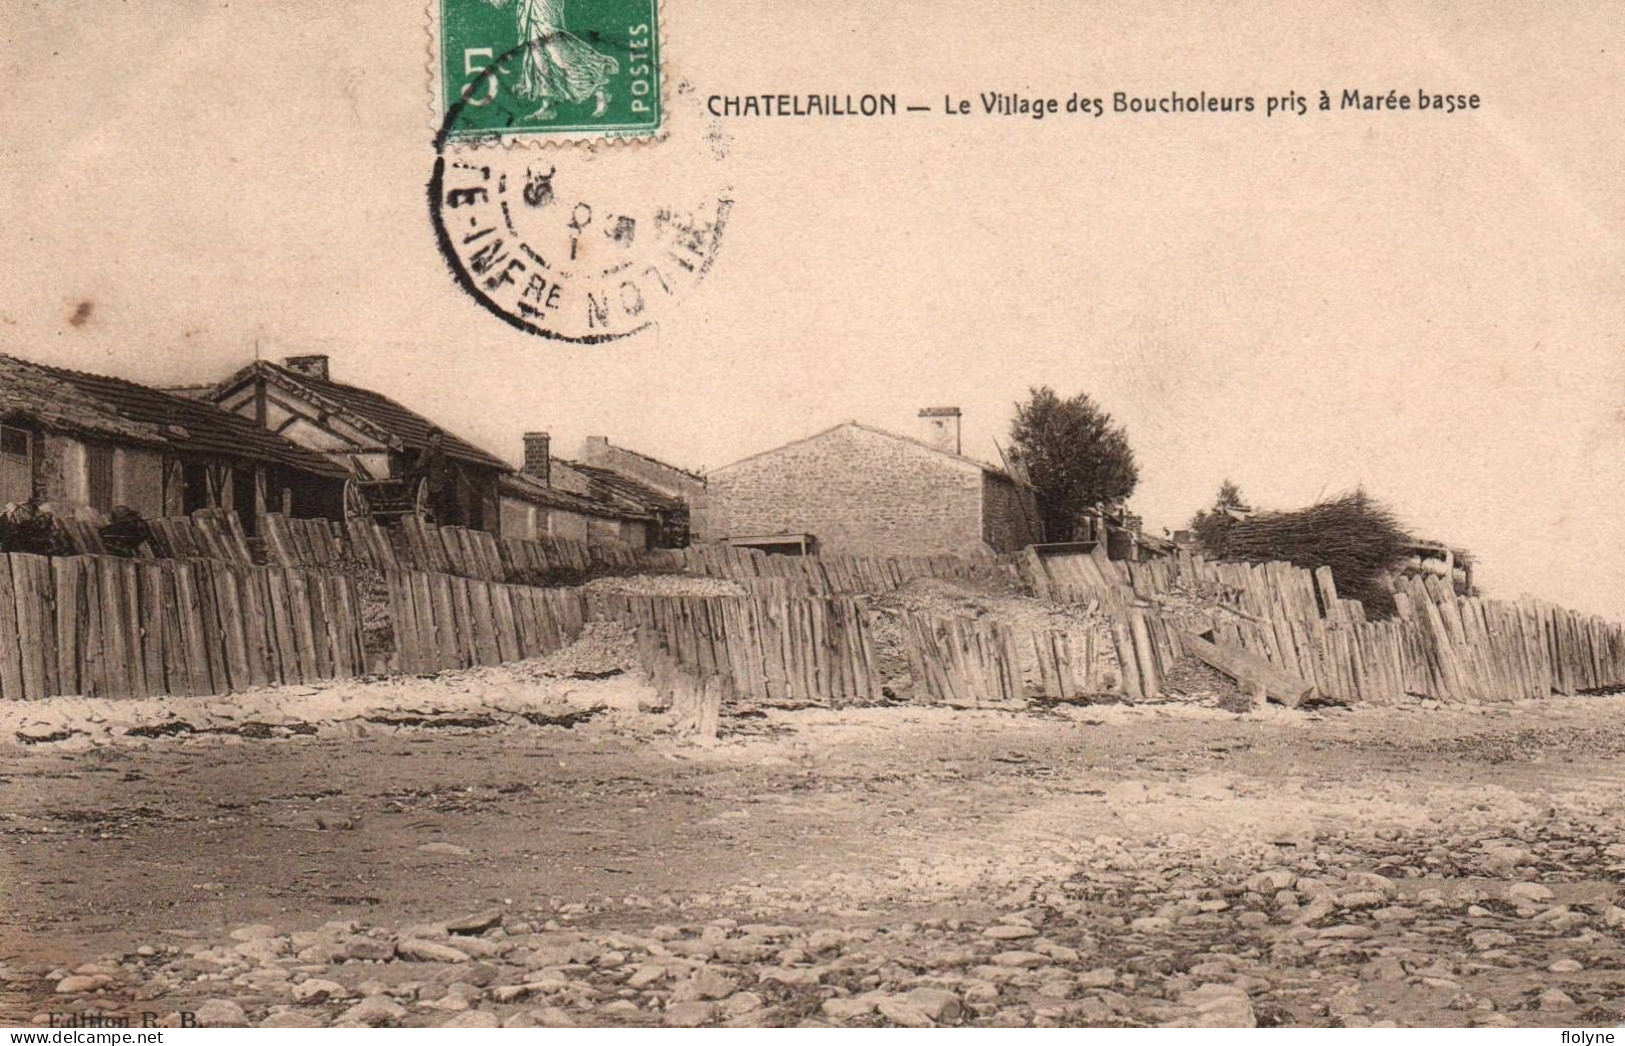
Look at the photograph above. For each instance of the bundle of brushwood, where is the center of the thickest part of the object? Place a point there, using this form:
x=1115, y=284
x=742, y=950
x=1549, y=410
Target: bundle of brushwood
x=1354, y=535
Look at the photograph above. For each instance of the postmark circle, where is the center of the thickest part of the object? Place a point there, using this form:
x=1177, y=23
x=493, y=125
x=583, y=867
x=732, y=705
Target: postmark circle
x=582, y=242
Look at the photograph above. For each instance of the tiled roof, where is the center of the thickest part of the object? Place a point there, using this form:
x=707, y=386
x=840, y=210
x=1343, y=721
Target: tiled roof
x=32, y=391
x=148, y=415
x=519, y=485
x=607, y=483
x=407, y=426
x=689, y=473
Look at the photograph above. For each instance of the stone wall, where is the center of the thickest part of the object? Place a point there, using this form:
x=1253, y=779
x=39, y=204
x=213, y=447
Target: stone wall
x=138, y=480
x=857, y=491
x=1004, y=526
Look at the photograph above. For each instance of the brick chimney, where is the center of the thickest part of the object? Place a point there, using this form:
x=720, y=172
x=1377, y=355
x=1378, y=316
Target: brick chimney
x=941, y=428
x=309, y=366
x=538, y=457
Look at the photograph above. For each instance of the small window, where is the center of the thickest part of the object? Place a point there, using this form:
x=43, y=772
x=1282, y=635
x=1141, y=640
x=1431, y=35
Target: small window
x=99, y=465
x=14, y=442
x=16, y=466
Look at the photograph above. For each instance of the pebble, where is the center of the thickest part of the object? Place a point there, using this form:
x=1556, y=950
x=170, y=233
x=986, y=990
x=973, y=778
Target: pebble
x=1528, y=892
x=318, y=990
x=1555, y=999
x=291, y=1019
x=415, y=949
x=845, y=1008
x=220, y=1013
x=76, y=984
x=375, y=1011
x=903, y=1013
x=1214, y=1006
x=474, y=925
x=688, y=1014
x=473, y=1019
x=1009, y=932
x=542, y=1017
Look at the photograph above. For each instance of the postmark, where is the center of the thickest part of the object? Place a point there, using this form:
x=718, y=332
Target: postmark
x=585, y=243
x=547, y=69
x=555, y=251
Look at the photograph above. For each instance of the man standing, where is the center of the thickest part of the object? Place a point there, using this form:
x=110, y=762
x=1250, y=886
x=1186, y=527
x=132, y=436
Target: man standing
x=435, y=471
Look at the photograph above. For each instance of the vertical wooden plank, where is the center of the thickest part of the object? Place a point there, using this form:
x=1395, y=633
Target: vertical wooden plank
x=31, y=607
x=234, y=637
x=485, y=644
x=507, y=633
x=115, y=630
x=150, y=585
x=11, y=658
x=177, y=677
x=321, y=621
x=284, y=660
x=427, y=623
x=304, y=634
x=135, y=643
x=462, y=610
x=196, y=641
x=68, y=574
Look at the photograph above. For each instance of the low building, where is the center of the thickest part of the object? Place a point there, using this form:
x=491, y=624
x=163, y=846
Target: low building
x=374, y=438
x=668, y=492
x=550, y=498
x=88, y=442
x=855, y=489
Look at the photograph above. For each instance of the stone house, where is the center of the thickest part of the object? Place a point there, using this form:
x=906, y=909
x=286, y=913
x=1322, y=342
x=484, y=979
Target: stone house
x=84, y=442
x=854, y=489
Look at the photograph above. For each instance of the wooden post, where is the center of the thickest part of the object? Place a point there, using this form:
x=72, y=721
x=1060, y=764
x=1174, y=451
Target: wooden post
x=1249, y=670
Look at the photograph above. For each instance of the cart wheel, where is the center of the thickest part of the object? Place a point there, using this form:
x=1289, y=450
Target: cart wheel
x=356, y=508
x=420, y=503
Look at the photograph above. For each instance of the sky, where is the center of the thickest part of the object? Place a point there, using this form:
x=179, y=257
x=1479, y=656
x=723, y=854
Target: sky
x=1427, y=305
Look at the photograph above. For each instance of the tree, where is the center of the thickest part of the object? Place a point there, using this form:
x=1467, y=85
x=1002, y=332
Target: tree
x=1212, y=527
x=1075, y=456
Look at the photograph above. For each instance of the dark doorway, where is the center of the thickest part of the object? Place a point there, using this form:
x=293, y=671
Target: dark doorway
x=194, y=488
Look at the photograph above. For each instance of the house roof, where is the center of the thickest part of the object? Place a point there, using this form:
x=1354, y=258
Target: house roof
x=125, y=411
x=519, y=485
x=961, y=458
x=36, y=392
x=610, y=485
x=688, y=473
x=372, y=411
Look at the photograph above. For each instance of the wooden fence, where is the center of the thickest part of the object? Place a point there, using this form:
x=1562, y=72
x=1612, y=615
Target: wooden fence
x=1493, y=649
x=418, y=546
x=1257, y=590
x=102, y=626
x=814, y=650
x=793, y=576
x=443, y=621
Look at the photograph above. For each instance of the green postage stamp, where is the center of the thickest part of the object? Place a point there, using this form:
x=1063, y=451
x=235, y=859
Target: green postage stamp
x=539, y=68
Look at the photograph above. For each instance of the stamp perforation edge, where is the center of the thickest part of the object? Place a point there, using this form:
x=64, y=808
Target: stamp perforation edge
x=620, y=138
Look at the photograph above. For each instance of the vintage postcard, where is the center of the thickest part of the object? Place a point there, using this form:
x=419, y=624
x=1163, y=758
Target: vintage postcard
x=648, y=514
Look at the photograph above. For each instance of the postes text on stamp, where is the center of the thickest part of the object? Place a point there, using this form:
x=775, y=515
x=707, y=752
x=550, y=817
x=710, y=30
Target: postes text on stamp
x=538, y=68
